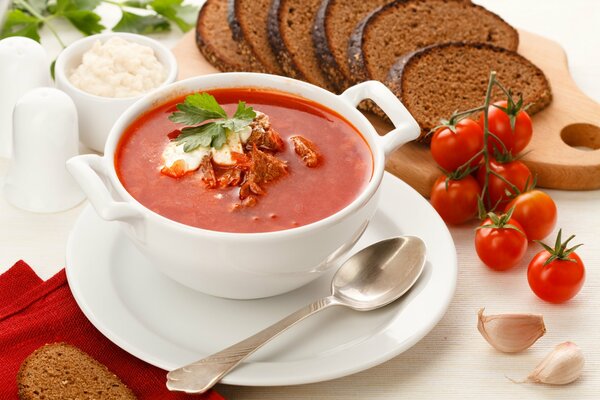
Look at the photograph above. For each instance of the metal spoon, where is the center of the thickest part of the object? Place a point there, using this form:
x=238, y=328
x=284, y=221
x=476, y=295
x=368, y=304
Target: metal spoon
x=372, y=278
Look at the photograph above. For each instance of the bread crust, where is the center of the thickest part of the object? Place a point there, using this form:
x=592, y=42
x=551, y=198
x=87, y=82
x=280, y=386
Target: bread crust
x=356, y=56
x=245, y=45
x=211, y=53
x=284, y=57
x=325, y=58
x=233, y=21
x=28, y=392
x=396, y=79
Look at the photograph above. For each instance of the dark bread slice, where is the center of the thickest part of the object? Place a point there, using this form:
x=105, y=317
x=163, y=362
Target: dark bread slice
x=60, y=371
x=215, y=42
x=437, y=80
x=290, y=25
x=248, y=23
x=334, y=23
x=404, y=26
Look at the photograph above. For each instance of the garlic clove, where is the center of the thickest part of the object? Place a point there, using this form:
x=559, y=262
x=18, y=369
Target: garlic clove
x=563, y=365
x=511, y=333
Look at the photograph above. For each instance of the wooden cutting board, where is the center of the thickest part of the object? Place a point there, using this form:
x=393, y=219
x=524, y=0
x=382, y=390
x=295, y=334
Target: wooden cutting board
x=572, y=121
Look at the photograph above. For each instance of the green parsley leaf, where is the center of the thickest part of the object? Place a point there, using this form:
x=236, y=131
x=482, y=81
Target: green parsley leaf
x=85, y=4
x=142, y=24
x=243, y=112
x=72, y=5
x=40, y=6
x=242, y=117
x=212, y=134
x=173, y=10
x=80, y=13
x=136, y=3
x=20, y=24
x=53, y=69
x=87, y=22
x=200, y=107
x=197, y=108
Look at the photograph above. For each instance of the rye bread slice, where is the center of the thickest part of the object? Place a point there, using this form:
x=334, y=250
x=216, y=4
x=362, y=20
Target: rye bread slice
x=404, y=26
x=436, y=81
x=215, y=42
x=289, y=26
x=334, y=23
x=248, y=23
x=60, y=371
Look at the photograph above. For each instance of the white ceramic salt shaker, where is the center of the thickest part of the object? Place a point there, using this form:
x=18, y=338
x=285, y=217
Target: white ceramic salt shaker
x=45, y=136
x=23, y=66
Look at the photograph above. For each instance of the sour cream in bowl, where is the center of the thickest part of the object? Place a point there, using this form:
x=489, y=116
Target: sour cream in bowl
x=104, y=74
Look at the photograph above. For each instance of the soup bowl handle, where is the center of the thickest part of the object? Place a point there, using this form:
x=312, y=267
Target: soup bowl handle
x=406, y=128
x=86, y=170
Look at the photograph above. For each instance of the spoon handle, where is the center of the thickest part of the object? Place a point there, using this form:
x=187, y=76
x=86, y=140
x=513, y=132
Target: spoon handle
x=201, y=375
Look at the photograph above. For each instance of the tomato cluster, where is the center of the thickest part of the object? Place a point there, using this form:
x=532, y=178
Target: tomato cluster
x=483, y=177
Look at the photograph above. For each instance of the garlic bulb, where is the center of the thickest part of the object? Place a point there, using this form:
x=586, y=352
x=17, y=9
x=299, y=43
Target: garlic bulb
x=563, y=365
x=511, y=333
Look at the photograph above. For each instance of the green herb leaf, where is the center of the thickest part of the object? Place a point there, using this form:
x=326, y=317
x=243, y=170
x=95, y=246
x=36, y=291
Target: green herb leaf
x=73, y=5
x=136, y=3
x=242, y=117
x=40, y=6
x=220, y=139
x=87, y=22
x=142, y=24
x=20, y=24
x=81, y=14
x=198, y=108
x=53, y=69
x=173, y=10
x=212, y=134
x=243, y=112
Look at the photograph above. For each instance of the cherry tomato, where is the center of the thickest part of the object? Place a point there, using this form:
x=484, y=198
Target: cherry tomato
x=458, y=203
x=453, y=149
x=536, y=212
x=515, y=172
x=500, y=247
x=560, y=279
x=499, y=124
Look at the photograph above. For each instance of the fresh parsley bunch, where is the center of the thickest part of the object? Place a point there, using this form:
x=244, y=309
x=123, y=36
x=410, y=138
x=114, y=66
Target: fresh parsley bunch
x=198, y=108
x=26, y=17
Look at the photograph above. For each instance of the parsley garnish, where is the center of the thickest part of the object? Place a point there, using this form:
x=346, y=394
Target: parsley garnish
x=198, y=108
x=26, y=17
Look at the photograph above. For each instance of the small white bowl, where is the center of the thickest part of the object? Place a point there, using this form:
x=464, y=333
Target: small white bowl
x=97, y=114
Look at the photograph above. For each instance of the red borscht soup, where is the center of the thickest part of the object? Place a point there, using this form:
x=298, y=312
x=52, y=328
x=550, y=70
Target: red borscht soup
x=308, y=164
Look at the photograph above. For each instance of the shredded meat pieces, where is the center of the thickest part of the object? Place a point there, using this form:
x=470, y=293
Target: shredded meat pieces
x=249, y=201
x=231, y=177
x=176, y=170
x=307, y=150
x=207, y=172
x=264, y=168
x=263, y=135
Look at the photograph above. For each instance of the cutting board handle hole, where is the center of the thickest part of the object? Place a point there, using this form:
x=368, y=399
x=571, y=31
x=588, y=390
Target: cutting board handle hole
x=581, y=136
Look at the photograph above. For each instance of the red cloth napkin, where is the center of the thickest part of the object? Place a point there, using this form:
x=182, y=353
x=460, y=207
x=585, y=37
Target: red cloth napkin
x=34, y=312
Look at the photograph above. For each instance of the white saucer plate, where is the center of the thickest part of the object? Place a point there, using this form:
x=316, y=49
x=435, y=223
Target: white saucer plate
x=169, y=325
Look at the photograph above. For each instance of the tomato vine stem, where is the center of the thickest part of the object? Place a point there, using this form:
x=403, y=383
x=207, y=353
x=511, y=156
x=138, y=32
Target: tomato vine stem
x=485, y=201
x=486, y=134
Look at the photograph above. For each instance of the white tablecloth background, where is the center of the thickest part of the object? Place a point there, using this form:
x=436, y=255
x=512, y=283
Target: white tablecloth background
x=453, y=361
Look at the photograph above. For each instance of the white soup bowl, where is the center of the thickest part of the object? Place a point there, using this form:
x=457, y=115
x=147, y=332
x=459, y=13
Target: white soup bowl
x=245, y=265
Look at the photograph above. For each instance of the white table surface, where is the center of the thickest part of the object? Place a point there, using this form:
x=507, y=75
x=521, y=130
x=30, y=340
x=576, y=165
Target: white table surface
x=453, y=361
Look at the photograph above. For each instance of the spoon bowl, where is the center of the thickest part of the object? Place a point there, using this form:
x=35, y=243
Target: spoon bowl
x=372, y=278
x=379, y=274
